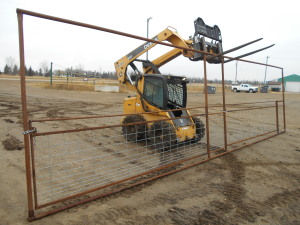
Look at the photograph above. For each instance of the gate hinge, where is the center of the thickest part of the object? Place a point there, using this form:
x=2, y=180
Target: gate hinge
x=29, y=131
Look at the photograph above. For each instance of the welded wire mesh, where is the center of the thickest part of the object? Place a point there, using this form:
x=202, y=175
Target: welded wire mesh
x=176, y=93
x=250, y=122
x=72, y=163
x=216, y=131
x=281, y=117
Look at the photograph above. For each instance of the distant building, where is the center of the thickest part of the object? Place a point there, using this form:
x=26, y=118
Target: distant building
x=291, y=83
x=274, y=86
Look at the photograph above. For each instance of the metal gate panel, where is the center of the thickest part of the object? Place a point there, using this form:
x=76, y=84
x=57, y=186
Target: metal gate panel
x=65, y=168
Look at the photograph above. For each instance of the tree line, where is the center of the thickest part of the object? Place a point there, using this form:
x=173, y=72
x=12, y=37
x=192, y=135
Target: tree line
x=66, y=72
x=69, y=72
x=15, y=70
x=11, y=67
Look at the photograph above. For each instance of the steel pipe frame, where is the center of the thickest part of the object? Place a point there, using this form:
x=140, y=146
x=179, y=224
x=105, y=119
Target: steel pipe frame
x=224, y=105
x=105, y=116
x=247, y=139
x=206, y=99
x=28, y=141
x=37, y=206
x=25, y=118
x=283, y=99
x=33, y=166
x=108, y=126
x=143, y=174
x=51, y=212
x=120, y=181
x=118, y=115
x=43, y=16
x=277, y=120
x=124, y=180
x=148, y=172
x=36, y=134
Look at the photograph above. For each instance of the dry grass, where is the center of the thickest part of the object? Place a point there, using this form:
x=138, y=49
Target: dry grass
x=70, y=87
x=123, y=88
x=80, y=86
x=200, y=87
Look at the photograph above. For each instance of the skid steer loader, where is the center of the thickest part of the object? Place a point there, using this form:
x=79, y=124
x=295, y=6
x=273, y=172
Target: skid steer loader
x=158, y=111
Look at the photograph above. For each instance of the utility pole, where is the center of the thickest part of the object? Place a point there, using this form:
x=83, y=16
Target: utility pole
x=148, y=34
x=70, y=73
x=236, y=64
x=51, y=74
x=266, y=69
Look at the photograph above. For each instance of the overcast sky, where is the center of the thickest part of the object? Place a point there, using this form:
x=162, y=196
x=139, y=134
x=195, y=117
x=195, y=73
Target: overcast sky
x=69, y=46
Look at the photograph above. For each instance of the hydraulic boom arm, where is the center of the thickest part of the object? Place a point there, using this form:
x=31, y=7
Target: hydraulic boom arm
x=166, y=35
x=197, y=42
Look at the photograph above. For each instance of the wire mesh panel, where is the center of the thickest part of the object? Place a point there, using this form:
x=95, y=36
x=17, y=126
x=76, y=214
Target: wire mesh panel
x=216, y=131
x=67, y=164
x=280, y=116
x=250, y=121
x=176, y=93
x=83, y=160
x=64, y=164
x=71, y=163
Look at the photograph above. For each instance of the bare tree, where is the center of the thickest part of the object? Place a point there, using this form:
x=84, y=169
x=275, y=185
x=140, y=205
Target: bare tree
x=79, y=68
x=11, y=62
x=44, y=65
x=100, y=69
x=15, y=69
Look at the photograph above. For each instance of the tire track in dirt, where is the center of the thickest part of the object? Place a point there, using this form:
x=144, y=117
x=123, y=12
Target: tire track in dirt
x=171, y=200
x=122, y=216
x=236, y=208
x=51, y=108
x=233, y=210
x=173, y=213
x=288, y=202
x=283, y=198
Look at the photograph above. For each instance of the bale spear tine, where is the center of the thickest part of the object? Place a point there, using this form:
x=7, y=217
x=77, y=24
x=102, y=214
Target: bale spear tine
x=233, y=49
x=250, y=53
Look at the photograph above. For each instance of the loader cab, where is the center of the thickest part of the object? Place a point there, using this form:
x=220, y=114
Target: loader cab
x=167, y=93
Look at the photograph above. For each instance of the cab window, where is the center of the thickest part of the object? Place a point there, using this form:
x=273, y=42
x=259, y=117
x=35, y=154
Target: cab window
x=154, y=91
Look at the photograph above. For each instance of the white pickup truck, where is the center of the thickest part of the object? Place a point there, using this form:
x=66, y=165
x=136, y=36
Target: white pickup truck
x=244, y=87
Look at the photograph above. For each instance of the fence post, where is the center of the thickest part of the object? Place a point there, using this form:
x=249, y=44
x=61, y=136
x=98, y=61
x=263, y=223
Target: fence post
x=277, y=122
x=224, y=105
x=25, y=118
x=33, y=163
x=206, y=100
x=283, y=99
x=51, y=74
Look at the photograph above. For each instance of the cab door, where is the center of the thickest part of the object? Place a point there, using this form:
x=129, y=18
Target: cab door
x=244, y=87
x=154, y=91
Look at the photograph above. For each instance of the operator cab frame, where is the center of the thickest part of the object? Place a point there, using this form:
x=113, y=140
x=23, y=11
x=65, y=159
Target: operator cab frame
x=167, y=93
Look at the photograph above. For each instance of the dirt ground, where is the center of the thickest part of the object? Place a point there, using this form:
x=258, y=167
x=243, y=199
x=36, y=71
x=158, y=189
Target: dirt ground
x=259, y=184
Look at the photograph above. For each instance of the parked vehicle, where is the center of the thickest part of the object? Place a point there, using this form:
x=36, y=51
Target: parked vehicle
x=244, y=87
